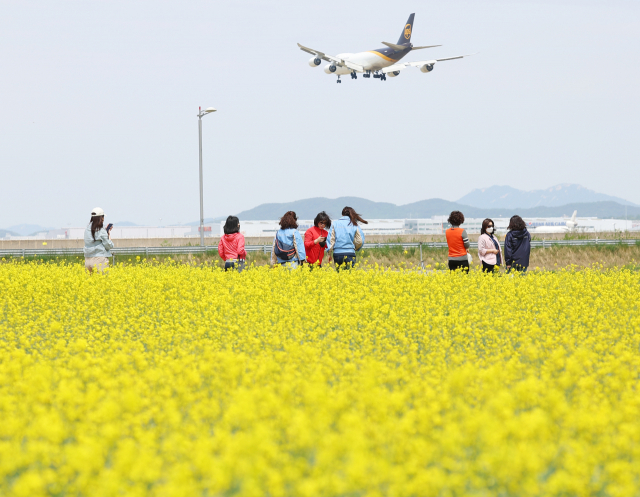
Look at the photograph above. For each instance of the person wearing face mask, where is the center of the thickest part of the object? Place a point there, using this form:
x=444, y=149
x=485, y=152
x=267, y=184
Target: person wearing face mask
x=489, y=249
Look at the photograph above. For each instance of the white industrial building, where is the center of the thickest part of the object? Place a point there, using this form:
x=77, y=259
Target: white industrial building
x=437, y=224
x=269, y=228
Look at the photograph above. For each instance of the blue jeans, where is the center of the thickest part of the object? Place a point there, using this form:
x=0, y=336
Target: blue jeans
x=291, y=264
x=344, y=261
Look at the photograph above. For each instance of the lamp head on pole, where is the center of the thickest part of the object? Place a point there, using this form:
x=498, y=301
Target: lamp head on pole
x=208, y=110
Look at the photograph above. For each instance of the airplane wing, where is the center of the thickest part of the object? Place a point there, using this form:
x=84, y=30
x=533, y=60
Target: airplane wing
x=420, y=63
x=403, y=47
x=331, y=58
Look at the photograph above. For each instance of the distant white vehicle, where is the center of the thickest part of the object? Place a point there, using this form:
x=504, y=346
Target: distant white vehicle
x=570, y=225
x=382, y=62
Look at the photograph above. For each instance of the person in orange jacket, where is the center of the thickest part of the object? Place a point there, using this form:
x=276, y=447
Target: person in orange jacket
x=315, y=239
x=231, y=246
x=458, y=243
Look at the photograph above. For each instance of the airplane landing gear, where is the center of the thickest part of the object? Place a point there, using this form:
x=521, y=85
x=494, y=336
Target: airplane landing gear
x=383, y=77
x=338, y=80
x=354, y=75
x=367, y=74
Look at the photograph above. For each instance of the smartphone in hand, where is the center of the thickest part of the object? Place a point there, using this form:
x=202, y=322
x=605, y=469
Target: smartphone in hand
x=109, y=226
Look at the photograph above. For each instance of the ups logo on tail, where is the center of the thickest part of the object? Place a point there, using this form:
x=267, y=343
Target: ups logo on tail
x=407, y=31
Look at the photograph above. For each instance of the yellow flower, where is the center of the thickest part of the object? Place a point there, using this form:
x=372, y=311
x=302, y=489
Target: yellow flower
x=169, y=379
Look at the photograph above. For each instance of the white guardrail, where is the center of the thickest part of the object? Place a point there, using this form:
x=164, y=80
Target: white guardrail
x=150, y=251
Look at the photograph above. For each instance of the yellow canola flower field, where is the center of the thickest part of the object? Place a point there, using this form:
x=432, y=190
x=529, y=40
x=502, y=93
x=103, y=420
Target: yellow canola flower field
x=174, y=380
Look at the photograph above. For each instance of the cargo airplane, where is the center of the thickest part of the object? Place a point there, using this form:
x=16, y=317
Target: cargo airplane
x=570, y=225
x=382, y=62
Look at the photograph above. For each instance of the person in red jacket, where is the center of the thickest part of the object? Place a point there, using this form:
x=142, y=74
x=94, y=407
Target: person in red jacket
x=231, y=246
x=315, y=239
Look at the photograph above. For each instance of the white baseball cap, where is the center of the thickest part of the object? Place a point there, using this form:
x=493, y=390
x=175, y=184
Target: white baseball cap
x=97, y=211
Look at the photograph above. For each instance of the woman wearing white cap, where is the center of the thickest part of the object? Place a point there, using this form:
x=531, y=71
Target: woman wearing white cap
x=97, y=242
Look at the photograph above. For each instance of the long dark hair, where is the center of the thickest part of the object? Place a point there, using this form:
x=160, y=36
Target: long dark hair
x=232, y=225
x=353, y=216
x=516, y=223
x=96, y=225
x=322, y=217
x=289, y=221
x=485, y=225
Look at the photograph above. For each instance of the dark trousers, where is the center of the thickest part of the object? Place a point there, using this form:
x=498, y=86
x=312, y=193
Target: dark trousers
x=517, y=267
x=344, y=261
x=239, y=265
x=487, y=268
x=453, y=265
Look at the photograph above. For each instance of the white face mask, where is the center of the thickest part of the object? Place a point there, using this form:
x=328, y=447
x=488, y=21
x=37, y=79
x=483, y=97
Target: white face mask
x=490, y=229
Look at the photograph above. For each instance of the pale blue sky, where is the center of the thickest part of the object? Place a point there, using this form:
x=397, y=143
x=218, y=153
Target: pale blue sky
x=99, y=103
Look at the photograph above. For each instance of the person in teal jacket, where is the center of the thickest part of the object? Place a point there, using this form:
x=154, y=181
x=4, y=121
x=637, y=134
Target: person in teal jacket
x=346, y=238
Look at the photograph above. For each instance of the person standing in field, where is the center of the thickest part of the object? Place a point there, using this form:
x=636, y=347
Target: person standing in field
x=489, y=249
x=517, y=245
x=346, y=238
x=97, y=242
x=458, y=243
x=315, y=239
x=288, y=246
x=231, y=246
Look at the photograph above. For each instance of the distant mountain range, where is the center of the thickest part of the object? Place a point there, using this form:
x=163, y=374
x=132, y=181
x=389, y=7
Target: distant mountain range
x=307, y=209
x=32, y=229
x=26, y=229
x=207, y=220
x=511, y=198
x=494, y=201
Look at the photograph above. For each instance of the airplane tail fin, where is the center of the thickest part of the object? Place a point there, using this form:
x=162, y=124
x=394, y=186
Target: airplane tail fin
x=573, y=218
x=405, y=37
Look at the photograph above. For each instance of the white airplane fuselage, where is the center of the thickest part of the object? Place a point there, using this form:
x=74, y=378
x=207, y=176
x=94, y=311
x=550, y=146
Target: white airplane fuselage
x=571, y=225
x=371, y=61
x=550, y=229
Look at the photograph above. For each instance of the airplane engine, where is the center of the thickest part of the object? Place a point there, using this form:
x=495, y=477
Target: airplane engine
x=428, y=67
x=314, y=61
x=393, y=74
x=330, y=68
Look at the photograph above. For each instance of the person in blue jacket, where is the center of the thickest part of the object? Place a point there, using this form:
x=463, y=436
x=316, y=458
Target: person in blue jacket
x=288, y=245
x=345, y=238
x=517, y=245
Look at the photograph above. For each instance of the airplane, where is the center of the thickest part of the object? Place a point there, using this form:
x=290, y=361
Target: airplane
x=570, y=225
x=382, y=62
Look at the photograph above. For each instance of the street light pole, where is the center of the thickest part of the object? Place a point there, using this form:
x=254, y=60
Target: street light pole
x=200, y=115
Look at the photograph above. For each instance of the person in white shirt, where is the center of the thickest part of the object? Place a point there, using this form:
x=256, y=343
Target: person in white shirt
x=97, y=242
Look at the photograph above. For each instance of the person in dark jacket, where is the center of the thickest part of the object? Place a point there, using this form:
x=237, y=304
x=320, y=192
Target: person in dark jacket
x=517, y=245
